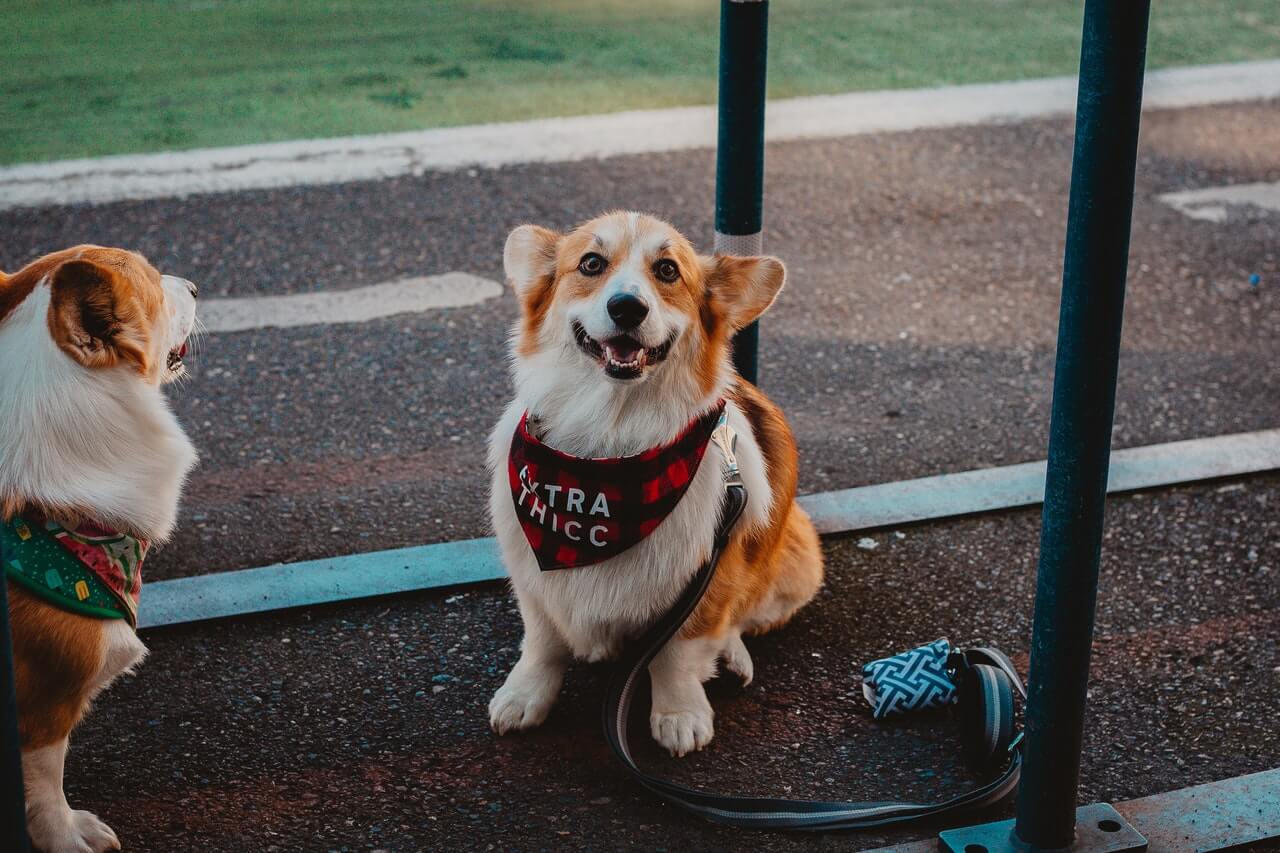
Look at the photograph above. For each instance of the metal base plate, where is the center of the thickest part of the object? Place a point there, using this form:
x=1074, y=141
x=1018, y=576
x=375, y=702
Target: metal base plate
x=1099, y=829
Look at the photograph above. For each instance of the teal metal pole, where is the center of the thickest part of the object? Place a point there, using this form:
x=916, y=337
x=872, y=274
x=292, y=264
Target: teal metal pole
x=744, y=27
x=13, y=812
x=1108, y=106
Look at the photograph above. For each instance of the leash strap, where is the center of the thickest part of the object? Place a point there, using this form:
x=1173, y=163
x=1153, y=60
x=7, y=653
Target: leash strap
x=986, y=670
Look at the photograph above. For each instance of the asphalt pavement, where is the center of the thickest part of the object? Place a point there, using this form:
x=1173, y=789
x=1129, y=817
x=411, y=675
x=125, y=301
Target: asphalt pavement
x=364, y=726
x=915, y=338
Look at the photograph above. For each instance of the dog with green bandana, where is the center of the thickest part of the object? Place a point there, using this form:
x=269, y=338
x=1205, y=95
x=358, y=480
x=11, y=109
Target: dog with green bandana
x=92, y=463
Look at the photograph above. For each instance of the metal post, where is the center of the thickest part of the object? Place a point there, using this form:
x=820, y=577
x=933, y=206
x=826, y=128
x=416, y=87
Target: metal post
x=1102, y=174
x=744, y=27
x=13, y=812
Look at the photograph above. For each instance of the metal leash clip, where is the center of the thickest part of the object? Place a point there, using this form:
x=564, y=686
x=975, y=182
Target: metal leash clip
x=726, y=438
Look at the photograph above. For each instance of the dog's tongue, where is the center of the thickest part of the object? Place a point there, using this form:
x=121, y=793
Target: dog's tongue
x=182, y=350
x=622, y=348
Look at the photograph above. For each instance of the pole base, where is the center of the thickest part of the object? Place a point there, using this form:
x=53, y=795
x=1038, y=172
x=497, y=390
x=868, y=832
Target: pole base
x=1099, y=829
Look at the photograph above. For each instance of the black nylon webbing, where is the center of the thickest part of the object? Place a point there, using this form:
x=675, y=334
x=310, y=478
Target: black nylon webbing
x=991, y=666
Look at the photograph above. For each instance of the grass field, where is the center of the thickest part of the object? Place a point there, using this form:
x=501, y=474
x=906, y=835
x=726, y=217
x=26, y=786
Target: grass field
x=89, y=77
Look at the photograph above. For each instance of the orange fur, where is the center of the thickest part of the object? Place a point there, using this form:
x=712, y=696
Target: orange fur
x=560, y=279
x=96, y=325
x=625, y=335
x=109, y=316
x=782, y=561
x=14, y=289
x=57, y=656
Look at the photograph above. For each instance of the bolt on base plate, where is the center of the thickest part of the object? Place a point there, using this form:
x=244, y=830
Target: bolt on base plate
x=1099, y=829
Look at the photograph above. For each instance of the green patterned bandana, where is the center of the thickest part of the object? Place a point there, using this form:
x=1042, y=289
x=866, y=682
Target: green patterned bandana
x=89, y=570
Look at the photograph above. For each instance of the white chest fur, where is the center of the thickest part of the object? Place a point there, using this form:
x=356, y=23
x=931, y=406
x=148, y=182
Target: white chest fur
x=594, y=607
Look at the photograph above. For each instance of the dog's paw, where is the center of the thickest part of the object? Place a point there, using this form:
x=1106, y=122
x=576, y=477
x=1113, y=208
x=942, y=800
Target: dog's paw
x=73, y=832
x=682, y=732
x=738, y=660
x=521, y=703
x=94, y=834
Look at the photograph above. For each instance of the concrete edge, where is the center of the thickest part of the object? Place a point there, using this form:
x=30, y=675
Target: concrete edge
x=312, y=162
x=356, y=576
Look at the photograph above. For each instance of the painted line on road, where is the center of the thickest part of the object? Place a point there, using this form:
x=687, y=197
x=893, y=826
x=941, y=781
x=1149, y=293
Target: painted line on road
x=362, y=158
x=1023, y=485
x=356, y=576
x=287, y=585
x=327, y=307
x=1211, y=203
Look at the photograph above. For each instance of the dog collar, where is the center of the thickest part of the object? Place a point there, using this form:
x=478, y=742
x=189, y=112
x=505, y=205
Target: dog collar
x=88, y=570
x=579, y=511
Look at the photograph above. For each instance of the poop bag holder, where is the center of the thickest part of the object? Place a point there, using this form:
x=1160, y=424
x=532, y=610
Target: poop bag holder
x=980, y=682
x=911, y=681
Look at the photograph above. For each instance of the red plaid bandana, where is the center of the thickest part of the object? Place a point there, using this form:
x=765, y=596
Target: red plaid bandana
x=577, y=512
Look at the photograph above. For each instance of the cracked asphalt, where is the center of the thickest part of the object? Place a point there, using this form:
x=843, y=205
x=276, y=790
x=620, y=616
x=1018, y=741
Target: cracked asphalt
x=916, y=337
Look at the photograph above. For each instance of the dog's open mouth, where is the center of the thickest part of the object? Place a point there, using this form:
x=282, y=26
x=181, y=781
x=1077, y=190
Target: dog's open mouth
x=175, y=357
x=622, y=357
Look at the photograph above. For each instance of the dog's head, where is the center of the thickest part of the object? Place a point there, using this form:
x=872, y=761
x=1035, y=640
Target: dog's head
x=86, y=337
x=625, y=299
x=109, y=307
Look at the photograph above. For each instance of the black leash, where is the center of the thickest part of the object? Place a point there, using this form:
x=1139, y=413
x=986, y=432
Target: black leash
x=986, y=677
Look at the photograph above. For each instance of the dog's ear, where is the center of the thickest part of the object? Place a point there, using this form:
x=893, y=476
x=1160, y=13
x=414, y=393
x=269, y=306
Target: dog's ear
x=739, y=290
x=529, y=257
x=94, y=321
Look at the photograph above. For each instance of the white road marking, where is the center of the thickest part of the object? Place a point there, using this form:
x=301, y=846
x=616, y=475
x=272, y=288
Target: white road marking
x=1211, y=203
x=359, y=158
x=410, y=295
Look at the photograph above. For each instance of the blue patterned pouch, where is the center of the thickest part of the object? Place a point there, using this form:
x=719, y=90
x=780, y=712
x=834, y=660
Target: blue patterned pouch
x=911, y=681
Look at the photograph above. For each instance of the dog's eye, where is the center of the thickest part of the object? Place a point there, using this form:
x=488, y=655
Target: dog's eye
x=666, y=270
x=592, y=264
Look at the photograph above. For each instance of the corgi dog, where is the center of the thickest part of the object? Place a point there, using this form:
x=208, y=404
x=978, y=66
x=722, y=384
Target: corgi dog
x=92, y=463
x=622, y=352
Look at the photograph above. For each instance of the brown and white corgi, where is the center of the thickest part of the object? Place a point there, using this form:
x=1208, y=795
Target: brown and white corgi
x=623, y=346
x=87, y=443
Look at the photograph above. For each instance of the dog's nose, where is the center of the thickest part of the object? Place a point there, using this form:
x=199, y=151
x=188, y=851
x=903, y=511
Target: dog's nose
x=627, y=310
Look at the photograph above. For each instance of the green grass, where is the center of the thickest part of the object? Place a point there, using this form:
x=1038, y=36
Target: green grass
x=88, y=77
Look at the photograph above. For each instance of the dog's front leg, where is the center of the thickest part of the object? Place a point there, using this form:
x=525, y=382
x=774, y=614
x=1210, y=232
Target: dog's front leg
x=525, y=698
x=681, y=717
x=53, y=825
